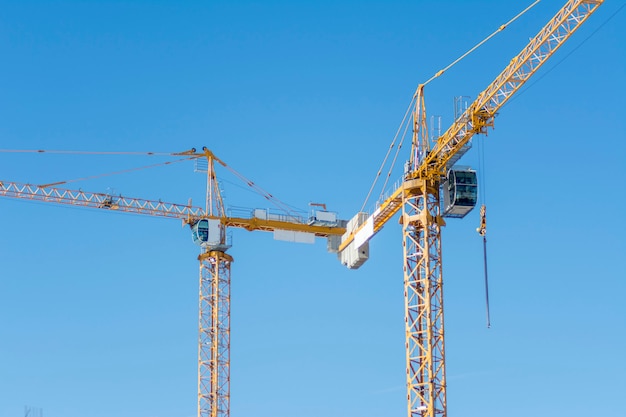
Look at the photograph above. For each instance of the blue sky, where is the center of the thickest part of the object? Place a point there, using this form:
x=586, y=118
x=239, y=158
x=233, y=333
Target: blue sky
x=98, y=311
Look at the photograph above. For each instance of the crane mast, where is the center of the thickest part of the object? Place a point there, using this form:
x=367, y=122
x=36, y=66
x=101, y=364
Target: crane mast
x=214, y=310
x=423, y=298
x=214, y=334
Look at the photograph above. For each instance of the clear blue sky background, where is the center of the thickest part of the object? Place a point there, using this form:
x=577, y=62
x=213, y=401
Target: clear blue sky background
x=98, y=311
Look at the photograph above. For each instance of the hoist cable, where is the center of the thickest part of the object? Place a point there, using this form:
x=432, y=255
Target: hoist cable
x=108, y=174
x=486, y=281
x=59, y=152
x=393, y=163
x=260, y=191
x=482, y=181
x=393, y=142
x=482, y=230
x=501, y=28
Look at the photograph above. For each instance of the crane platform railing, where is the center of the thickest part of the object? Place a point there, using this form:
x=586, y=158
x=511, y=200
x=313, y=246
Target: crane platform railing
x=295, y=216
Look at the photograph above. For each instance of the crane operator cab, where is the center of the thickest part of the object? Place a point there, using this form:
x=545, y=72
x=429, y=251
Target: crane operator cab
x=460, y=192
x=209, y=233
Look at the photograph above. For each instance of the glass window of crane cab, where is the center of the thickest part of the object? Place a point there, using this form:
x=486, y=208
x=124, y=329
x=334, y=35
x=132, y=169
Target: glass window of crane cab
x=463, y=188
x=465, y=195
x=465, y=177
x=201, y=231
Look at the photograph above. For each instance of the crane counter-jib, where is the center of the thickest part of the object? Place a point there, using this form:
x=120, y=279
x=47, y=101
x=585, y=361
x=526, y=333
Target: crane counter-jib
x=366, y=229
x=273, y=225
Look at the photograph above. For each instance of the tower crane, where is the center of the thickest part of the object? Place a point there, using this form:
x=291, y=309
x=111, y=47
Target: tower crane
x=208, y=231
x=429, y=176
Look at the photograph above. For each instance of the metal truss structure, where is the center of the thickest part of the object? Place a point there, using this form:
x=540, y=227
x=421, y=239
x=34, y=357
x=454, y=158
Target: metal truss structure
x=417, y=197
x=214, y=335
x=423, y=298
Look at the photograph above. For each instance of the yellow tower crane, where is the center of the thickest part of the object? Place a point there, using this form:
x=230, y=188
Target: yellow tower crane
x=429, y=176
x=209, y=231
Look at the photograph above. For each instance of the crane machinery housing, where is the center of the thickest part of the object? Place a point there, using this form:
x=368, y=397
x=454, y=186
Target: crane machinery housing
x=432, y=188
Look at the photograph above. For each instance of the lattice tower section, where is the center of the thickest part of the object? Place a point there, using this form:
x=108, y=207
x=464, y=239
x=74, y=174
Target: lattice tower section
x=423, y=297
x=214, y=335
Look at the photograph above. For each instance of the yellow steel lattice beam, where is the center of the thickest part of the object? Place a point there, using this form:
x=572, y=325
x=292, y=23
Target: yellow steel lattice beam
x=481, y=112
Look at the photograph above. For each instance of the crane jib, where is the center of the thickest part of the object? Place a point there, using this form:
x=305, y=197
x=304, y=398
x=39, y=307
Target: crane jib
x=481, y=113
